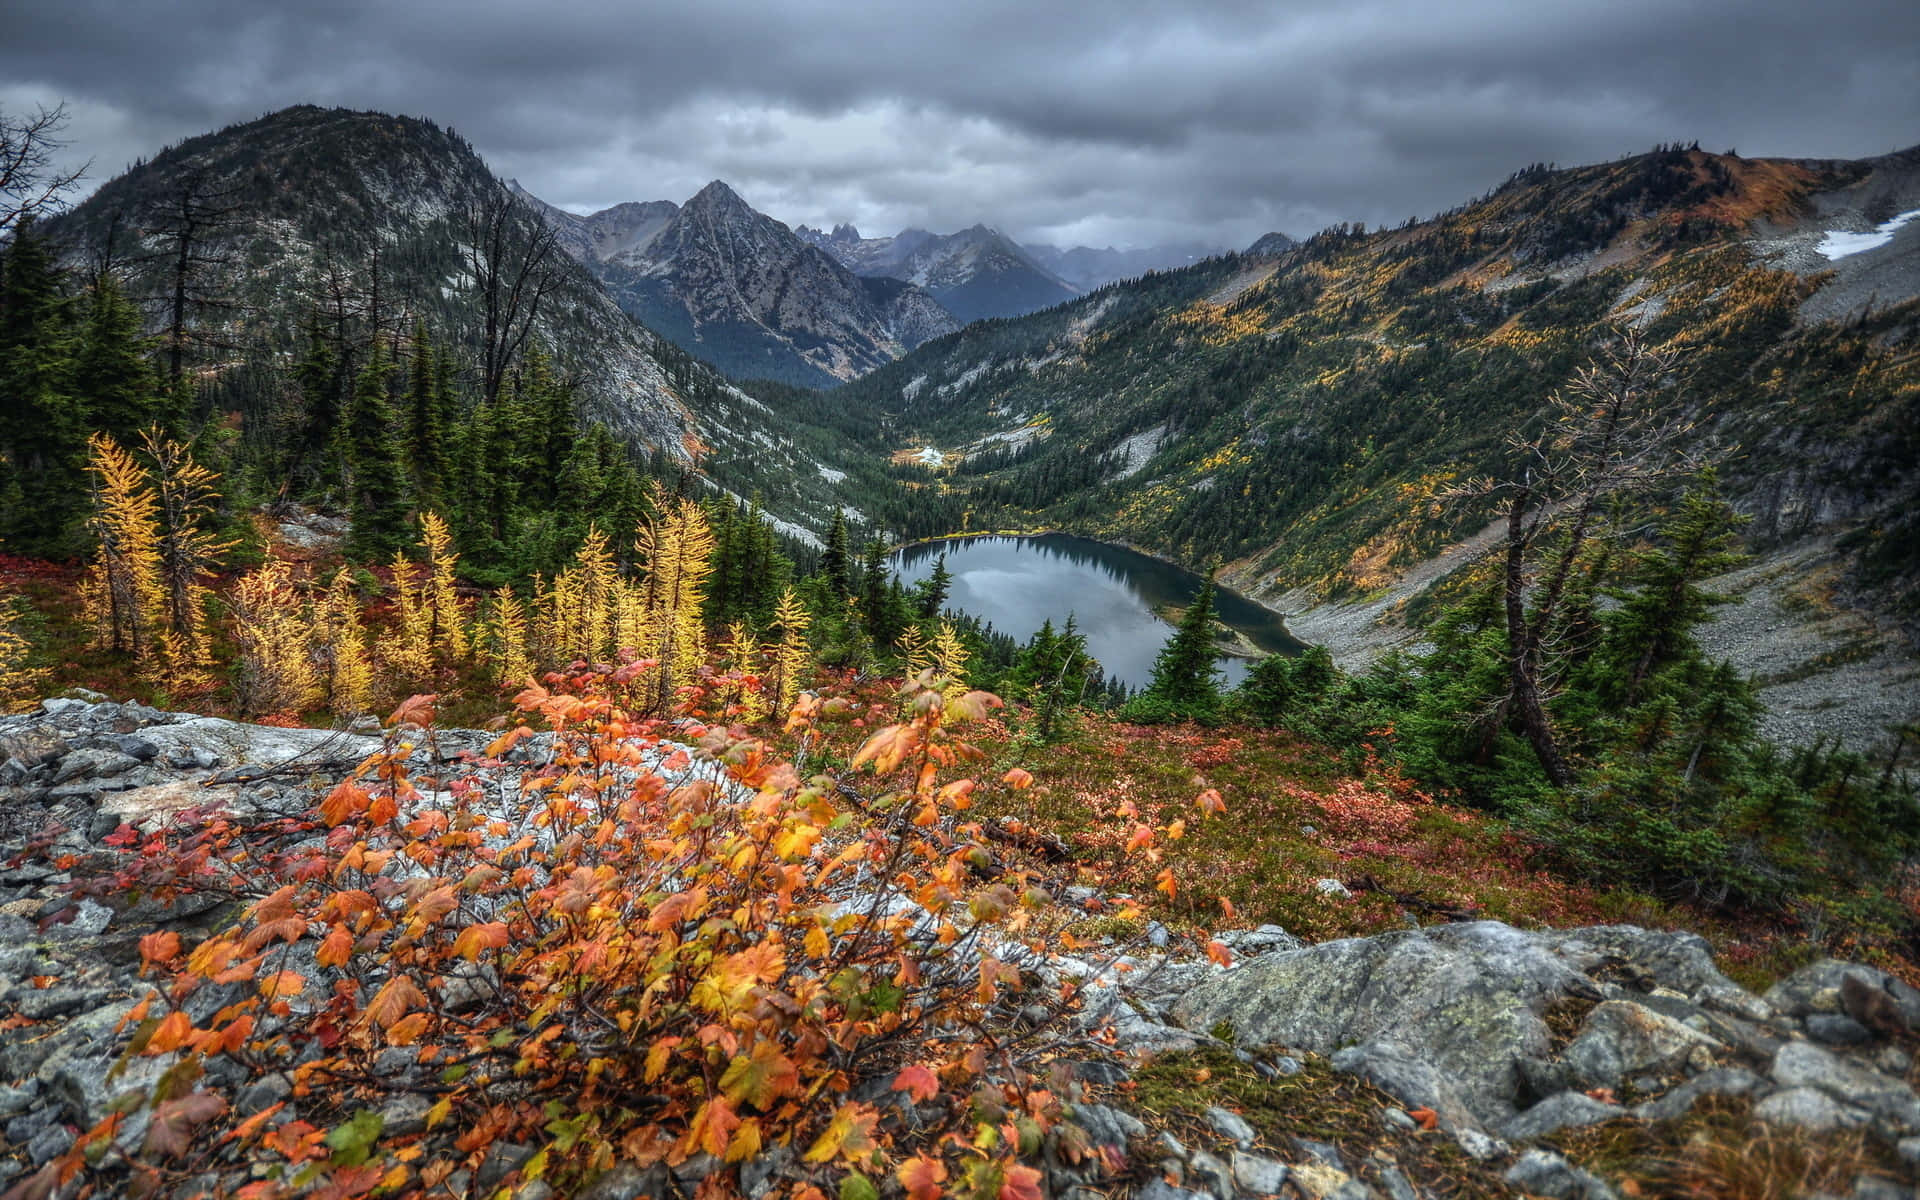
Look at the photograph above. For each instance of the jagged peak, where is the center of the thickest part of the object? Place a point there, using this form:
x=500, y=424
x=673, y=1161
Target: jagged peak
x=717, y=196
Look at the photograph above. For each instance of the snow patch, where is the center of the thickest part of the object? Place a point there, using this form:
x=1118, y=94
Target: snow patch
x=930, y=457
x=831, y=475
x=1839, y=243
x=913, y=387
x=1139, y=448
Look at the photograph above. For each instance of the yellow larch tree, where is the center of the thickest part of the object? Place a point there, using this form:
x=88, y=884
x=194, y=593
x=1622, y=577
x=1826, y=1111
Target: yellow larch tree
x=676, y=547
x=20, y=682
x=123, y=592
x=789, y=654
x=273, y=631
x=187, y=498
x=446, y=616
x=742, y=656
x=406, y=649
x=950, y=659
x=340, y=649
x=578, y=616
x=503, y=638
x=916, y=653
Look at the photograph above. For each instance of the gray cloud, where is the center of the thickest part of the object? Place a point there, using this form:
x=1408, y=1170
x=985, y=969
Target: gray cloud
x=1129, y=121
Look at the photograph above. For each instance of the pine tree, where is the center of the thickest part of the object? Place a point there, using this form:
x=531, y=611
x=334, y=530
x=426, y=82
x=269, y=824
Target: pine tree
x=377, y=495
x=43, y=421
x=113, y=368
x=834, y=563
x=930, y=594
x=1185, y=683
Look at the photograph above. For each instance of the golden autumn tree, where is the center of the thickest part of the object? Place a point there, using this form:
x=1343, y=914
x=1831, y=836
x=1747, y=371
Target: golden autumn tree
x=789, y=654
x=950, y=658
x=742, y=656
x=340, y=649
x=579, y=608
x=503, y=638
x=676, y=547
x=124, y=592
x=188, y=548
x=406, y=648
x=19, y=680
x=916, y=653
x=446, y=616
x=273, y=632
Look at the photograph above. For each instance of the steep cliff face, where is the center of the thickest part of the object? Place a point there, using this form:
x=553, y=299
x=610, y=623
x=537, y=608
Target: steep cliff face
x=323, y=209
x=738, y=289
x=311, y=200
x=976, y=274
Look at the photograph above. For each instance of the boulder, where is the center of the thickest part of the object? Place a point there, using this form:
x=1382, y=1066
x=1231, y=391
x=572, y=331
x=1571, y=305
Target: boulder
x=1568, y=1110
x=1621, y=1038
x=1804, y=1065
x=1466, y=999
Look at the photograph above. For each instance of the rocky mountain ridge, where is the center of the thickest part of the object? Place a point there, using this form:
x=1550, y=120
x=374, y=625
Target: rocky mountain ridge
x=976, y=273
x=1472, y=1049
x=738, y=289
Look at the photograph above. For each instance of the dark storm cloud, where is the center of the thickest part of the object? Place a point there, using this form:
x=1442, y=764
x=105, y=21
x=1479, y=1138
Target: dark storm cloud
x=1131, y=120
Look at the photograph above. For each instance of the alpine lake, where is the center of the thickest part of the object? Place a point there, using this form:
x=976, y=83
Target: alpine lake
x=1123, y=601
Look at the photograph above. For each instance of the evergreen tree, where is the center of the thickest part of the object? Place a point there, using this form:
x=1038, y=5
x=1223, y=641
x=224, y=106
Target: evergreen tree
x=377, y=495
x=43, y=421
x=113, y=370
x=931, y=593
x=834, y=563
x=1185, y=684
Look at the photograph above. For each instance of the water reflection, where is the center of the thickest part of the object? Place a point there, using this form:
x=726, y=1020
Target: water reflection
x=1016, y=583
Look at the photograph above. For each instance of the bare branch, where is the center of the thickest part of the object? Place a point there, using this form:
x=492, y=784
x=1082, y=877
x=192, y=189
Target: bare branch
x=30, y=184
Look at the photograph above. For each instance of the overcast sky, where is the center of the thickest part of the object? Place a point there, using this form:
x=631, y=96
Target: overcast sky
x=1124, y=121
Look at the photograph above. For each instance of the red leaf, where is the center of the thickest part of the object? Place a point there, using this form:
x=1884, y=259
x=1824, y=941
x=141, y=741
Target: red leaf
x=920, y=1084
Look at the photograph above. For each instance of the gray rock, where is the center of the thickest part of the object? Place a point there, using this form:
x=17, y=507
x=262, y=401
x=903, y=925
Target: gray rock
x=1804, y=1065
x=1620, y=1038
x=1396, y=1183
x=1807, y=1108
x=1160, y=1189
x=1878, y=1187
x=1721, y=1081
x=1324, y=1153
x=1544, y=1173
x=90, y=920
x=1232, y=1126
x=1333, y=889
x=1812, y=987
x=1259, y=1175
x=94, y=764
x=1567, y=1110
x=1909, y=1148
x=1283, y=1067
x=1107, y=1126
x=405, y=1115
x=1397, y=1118
x=1395, y=1070
x=136, y=747
x=1170, y=1145
x=1465, y=999
x=1831, y=1029
x=15, y=1099
x=261, y=1094
x=625, y=1181
x=1267, y=939
x=49, y=1144
x=57, y=1001
x=1479, y=1146
x=1210, y=1175
x=59, y=705
x=503, y=1159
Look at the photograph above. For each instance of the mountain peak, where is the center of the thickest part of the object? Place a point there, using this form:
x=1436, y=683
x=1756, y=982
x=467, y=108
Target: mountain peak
x=717, y=195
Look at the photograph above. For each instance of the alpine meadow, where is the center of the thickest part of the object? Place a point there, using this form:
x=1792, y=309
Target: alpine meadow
x=516, y=687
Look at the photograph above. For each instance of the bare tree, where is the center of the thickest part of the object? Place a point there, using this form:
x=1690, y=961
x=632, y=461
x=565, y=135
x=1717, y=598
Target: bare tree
x=188, y=227
x=30, y=183
x=511, y=255
x=1612, y=431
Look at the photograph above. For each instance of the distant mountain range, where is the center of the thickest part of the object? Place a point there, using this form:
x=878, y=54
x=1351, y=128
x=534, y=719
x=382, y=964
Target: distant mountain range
x=758, y=300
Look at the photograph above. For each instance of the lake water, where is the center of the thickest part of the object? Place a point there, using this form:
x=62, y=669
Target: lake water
x=1016, y=583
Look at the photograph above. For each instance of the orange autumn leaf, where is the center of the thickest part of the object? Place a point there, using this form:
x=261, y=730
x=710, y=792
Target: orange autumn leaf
x=1017, y=778
x=1209, y=802
x=1020, y=1183
x=169, y=1033
x=335, y=948
x=475, y=940
x=161, y=947
x=922, y=1176
x=1426, y=1118
x=1218, y=952
x=920, y=1084
x=399, y=996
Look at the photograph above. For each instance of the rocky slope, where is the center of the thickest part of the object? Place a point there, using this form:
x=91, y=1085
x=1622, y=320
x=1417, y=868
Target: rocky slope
x=1295, y=412
x=741, y=291
x=318, y=205
x=1471, y=1055
x=976, y=273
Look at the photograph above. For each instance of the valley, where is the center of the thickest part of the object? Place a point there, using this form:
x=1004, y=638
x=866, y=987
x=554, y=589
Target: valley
x=655, y=702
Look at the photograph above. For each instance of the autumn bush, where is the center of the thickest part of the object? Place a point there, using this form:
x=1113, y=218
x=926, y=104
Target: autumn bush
x=615, y=939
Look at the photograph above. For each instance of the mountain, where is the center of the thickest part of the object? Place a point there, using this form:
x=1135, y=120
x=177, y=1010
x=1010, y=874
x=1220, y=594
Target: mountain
x=1301, y=414
x=741, y=291
x=1087, y=269
x=976, y=273
x=1272, y=243
x=365, y=216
